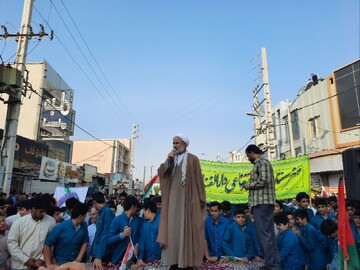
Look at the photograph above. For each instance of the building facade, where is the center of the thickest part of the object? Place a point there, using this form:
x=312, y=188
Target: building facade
x=47, y=117
x=100, y=154
x=324, y=122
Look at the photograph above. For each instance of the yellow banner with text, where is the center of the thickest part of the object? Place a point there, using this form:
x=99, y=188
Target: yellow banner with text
x=224, y=181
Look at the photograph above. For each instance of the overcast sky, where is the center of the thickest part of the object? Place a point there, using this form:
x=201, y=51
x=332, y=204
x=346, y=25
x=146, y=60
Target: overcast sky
x=183, y=66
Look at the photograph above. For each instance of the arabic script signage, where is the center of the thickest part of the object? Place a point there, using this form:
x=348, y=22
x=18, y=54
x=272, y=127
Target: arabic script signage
x=28, y=150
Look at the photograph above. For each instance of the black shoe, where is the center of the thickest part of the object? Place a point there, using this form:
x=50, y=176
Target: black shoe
x=174, y=267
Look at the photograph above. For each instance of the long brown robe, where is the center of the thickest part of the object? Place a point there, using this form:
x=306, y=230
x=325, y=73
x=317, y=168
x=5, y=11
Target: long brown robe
x=183, y=212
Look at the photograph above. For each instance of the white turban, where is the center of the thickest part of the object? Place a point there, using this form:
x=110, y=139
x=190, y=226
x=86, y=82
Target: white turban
x=184, y=138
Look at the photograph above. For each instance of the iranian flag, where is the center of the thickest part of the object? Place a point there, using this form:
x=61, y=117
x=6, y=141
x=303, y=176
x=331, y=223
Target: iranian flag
x=148, y=187
x=348, y=256
x=129, y=253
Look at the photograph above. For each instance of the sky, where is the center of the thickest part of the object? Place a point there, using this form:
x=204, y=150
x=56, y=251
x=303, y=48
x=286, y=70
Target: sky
x=185, y=66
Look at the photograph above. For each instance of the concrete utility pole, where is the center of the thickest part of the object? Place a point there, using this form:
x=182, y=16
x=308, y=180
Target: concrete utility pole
x=112, y=169
x=14, y=103
x=256, y=114
x=134, y=135
x=268, y=109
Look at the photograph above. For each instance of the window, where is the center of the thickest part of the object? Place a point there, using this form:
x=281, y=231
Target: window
x=313, y=126
x=295, y=125
x=348, y=90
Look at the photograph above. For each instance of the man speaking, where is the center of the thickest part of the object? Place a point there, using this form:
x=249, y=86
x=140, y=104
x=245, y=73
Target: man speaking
x=183, y=211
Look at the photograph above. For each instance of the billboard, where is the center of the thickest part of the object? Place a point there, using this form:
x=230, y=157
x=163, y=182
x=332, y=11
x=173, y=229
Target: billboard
x=58, y=117
x=58, y=171
x=28, y=150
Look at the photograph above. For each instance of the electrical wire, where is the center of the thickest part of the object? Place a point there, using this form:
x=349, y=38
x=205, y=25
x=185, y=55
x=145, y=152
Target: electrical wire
x=93, y=155
x=91, y=67
x=82, y=129
x=97, y=64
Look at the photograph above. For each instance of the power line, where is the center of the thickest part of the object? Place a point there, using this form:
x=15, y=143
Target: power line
x=94, y=155
x=321, y=100
x=97, y=64
x=79, y=66
x=50, y=104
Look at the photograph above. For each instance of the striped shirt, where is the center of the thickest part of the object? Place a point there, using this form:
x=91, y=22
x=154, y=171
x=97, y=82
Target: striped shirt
x=262, y=186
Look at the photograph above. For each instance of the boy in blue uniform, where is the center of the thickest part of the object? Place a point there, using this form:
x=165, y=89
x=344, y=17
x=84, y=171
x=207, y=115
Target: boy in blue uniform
x=356, y=229
x=149, y=249
x=122, y=228
x=238, y=238
x=215, y=227
x=322, y=213
x=310, y=241
x=102, y=227
x=226, y=211
x=288, y=244
x=303, y=200
x=330, y=229
x=69, y=239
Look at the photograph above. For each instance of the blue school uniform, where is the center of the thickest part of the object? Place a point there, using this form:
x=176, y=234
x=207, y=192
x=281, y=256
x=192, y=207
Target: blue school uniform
x=257, y=248
x=316, y=222
x=318, y=219
x=238, y=241
x=67, y=240
x=102, y=228
x=311, y=243
x=149, y=249
x=290, y=250
x=356, y=235
x=334, y=246
x=116, y=239
x=214, y=234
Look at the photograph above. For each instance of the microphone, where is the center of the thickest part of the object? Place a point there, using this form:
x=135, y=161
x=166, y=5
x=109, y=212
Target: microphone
x=171, y=159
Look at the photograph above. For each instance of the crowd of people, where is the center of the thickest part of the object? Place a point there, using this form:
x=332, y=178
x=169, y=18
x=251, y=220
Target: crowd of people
x=36, y=234
x=180, y=227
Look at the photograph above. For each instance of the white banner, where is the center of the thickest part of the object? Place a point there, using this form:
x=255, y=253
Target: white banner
x=62, y=194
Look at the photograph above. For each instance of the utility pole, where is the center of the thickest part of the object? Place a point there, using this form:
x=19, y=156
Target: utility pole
x=292, y=148
x=268, y=109
x=134, y=135
x=144, y=177
x=256, y=114
x=112, y=169
x=14, y=103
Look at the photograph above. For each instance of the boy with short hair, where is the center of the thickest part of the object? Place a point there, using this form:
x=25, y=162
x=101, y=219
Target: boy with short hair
x=215, y=227
x=288, y=244
x=310, y=241
x=123, y=228
x=226, y=211
x=67, y=242
x=149, y=249
x=321, y=214
x=291, y=219
x=303, y=200
x=330, y=229
x=238, y=238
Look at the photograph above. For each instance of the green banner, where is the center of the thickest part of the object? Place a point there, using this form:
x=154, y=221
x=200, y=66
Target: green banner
x=224, y=181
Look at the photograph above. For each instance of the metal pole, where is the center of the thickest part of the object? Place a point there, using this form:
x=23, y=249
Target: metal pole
x=14, y=105
x=268, y=113
x=132, y=152
x=112, y=169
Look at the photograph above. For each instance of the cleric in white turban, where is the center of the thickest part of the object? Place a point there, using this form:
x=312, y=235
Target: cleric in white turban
x=183, y=211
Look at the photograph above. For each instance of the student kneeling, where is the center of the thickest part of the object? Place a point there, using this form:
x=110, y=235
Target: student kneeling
x=69, y=239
